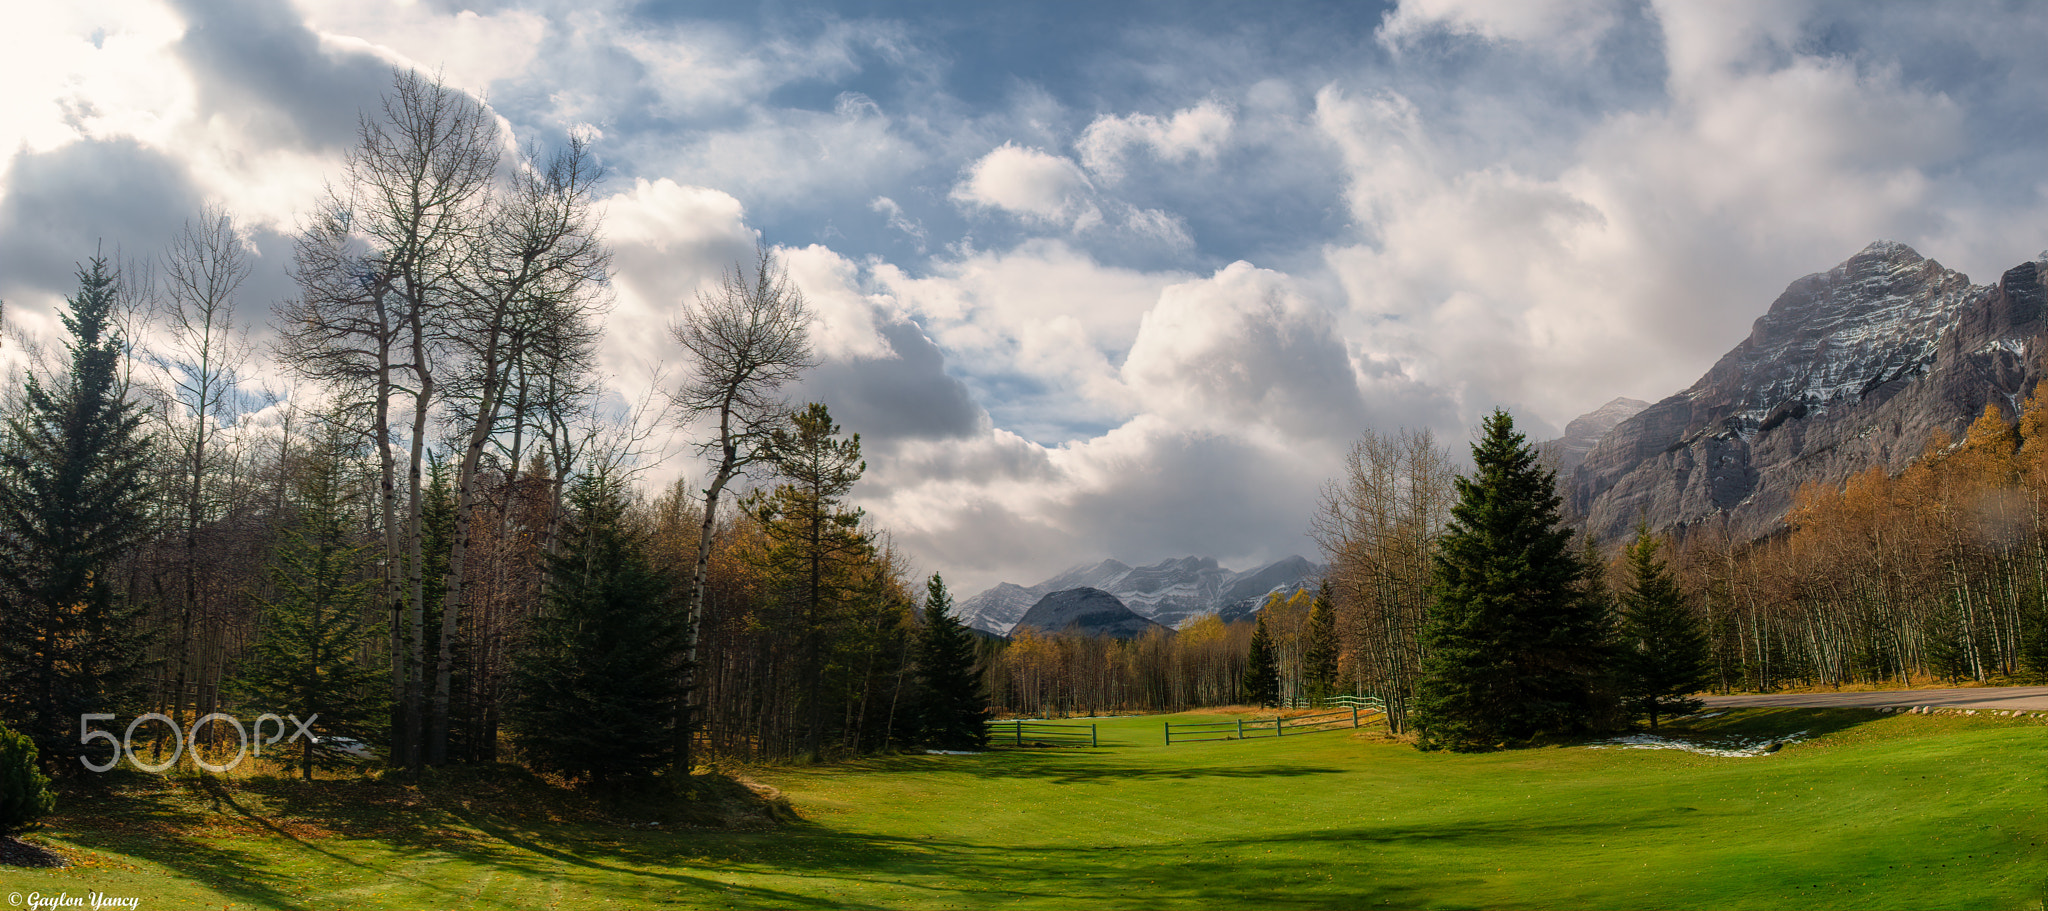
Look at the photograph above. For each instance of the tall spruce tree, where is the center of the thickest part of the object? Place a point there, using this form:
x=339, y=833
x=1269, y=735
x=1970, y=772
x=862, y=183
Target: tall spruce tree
x=1514, y=649
x=814, y=544
x=1319, y=659
x=1663, y=654
x=73, y=499
x=596, y=683
x=1261, y=667
x=952, y=703
x=318, y=618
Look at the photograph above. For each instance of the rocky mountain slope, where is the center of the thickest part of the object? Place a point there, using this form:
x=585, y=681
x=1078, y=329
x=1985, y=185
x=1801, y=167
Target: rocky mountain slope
x=1087, y=610
x=1584, y=432
x=1170, y=592
x=1850, y=368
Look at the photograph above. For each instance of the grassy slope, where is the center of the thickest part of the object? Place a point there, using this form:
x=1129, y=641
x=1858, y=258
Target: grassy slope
x=1878, y=812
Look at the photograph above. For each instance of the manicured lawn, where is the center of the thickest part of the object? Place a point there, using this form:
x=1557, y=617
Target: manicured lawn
x=1876, y=811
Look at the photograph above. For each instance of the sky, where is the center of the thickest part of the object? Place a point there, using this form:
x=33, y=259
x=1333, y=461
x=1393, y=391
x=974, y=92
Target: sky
x=1102, y=280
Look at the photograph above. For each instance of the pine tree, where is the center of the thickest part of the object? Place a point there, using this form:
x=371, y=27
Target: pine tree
x=1663, y=655
x=1514, y=650
x=1261, y=668
x=73, y=499
x=1319, y=661
x=815, y=547
x=953, y=705
x=317, y=621
x=596, y=682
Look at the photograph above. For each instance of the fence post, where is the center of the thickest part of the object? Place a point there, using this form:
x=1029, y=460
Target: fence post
x=1091, y=735
x=1277, y=730
x=1240, y=729
x=1169, y=733
x=1354, y=716
x=1020, y=733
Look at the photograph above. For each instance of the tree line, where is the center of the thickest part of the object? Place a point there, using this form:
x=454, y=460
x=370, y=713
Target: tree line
x=443, y=554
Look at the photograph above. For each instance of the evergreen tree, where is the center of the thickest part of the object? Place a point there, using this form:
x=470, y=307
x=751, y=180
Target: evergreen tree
x=1319, y=660
x=318, y=621
x=1261, y=668
x=1514, y=650
x=25, y=796
x=953, y=705
x=73, y=499
x=596, y=683
x=1663, y=655
x=815, y=549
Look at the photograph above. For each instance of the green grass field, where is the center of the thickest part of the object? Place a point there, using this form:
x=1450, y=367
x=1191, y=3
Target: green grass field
x=1875, y=811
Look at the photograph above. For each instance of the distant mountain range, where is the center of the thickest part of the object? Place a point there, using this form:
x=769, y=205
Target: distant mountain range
x=1170, y=592
x=1852, y=368
x=1090, y=610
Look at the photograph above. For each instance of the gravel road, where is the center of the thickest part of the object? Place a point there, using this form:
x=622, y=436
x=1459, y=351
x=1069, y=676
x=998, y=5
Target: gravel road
x=2024, y=698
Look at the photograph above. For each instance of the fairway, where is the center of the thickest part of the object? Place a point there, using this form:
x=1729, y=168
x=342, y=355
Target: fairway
x=1872, y=811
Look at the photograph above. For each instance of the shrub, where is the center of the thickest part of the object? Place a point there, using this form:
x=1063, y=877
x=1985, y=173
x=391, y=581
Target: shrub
x=25, y=796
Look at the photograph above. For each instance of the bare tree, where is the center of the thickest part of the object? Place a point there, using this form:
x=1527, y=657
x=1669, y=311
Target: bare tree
x=524, y=292
x=1378, y=527
x=746, y=340
x=200, y=364
x=377, y=267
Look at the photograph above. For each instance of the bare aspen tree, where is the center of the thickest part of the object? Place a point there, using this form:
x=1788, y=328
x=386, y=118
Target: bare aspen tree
x=524, y=300
x=377, y=267
x=746, y=340
x=200, y=363
x=1377, y=526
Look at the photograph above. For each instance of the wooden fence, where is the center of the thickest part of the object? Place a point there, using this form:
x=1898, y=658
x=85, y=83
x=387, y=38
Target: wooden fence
x=1253, y=729
x=1040, y=733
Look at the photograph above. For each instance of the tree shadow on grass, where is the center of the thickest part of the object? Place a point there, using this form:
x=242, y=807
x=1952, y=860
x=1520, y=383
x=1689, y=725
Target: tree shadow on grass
x=807, y=865
x=153, y=824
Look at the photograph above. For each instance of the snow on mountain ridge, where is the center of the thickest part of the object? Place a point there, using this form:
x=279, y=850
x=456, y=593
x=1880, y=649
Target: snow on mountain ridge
x=1171, y=592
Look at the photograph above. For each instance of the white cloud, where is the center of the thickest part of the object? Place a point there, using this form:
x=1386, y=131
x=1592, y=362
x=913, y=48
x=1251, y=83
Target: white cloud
x=1244, y=348
x=1567, y=27
x=469, y=49
x=1032, y=184
x=668, y=241
x=844, y=317
x=1196, y=132
x=889, y=209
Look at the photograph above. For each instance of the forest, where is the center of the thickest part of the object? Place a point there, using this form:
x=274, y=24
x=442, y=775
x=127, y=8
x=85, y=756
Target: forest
x=433, y=539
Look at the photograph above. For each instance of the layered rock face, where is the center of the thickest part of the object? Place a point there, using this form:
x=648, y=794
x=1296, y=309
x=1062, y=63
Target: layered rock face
x=1567, y=452
x=1851, y=368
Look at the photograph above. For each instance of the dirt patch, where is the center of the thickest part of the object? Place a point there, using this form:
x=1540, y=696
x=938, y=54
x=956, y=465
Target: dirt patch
x=17, y=853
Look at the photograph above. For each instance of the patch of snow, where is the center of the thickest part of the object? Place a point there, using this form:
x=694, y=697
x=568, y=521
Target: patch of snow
x=953, y=752
x=1733, y=750
x=1707, y=715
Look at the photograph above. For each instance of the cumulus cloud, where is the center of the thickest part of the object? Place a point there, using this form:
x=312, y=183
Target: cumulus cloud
x=1031, y=184
x=1245, y=348
x=1196, y=132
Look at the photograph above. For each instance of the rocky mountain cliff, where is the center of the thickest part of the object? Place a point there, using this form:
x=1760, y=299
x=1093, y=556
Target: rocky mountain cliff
x=1850, y=368
x=1584, y=432
x=1170, y=592
x=1087, y=610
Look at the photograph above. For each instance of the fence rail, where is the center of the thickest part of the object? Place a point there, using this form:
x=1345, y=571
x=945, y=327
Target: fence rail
x=1255, y=728
x=1020, y=733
